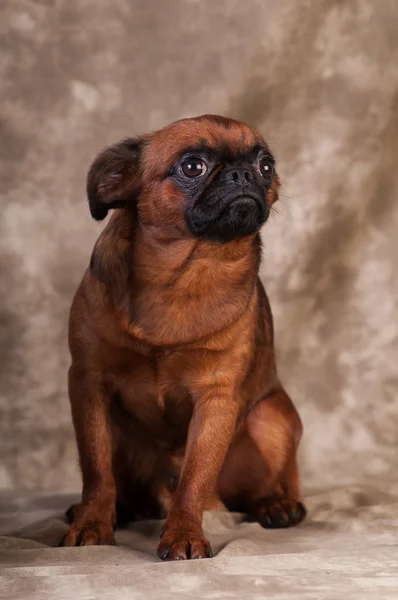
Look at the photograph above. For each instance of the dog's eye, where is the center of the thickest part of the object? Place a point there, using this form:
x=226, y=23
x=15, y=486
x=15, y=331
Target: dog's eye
x=193, y=167
x=266, y=168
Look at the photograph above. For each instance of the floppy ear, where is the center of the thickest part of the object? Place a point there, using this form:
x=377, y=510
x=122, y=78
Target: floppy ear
x=113, y=179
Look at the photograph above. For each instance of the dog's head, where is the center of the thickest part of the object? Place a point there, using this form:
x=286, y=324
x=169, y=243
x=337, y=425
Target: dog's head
x=207, y=177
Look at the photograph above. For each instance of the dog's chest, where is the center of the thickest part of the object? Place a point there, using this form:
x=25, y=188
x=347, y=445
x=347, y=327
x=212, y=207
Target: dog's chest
x=152, y=393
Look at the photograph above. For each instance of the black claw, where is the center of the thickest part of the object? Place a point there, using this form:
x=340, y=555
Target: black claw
x=277, y=522
x=209, y=553
x=281, y=521
x=180, y=557
x=266, y=521
x=294, y=515
x=196, y=557
x=301, y=506
x=163, y=555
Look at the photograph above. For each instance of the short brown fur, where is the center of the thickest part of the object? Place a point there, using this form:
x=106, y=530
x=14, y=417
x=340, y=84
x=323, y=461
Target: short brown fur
x=175, y=397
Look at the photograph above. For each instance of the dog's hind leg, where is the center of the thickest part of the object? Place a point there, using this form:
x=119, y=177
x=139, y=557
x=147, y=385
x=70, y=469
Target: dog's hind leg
x=260, y=476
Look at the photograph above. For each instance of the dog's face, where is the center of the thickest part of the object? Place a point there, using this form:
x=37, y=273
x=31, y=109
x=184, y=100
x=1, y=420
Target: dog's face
x=208, y=177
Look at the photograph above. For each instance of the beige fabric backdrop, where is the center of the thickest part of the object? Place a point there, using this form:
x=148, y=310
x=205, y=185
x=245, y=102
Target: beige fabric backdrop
x=320, y=80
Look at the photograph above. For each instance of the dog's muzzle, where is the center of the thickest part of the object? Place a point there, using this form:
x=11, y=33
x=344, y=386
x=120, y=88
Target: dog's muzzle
x=234, y=208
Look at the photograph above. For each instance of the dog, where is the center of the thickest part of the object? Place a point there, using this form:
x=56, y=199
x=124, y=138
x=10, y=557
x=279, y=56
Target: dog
x=174, y=392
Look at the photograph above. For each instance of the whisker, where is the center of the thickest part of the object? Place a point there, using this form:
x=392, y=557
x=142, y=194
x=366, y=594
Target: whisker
x=285, y=196
x=278, y=211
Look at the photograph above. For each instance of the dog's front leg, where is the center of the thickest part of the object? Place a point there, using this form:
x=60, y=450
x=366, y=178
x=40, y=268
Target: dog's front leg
x=92, y=520
x=210, y=433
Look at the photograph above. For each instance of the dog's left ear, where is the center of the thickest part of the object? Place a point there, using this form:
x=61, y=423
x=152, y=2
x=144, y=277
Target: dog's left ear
x=113, y=180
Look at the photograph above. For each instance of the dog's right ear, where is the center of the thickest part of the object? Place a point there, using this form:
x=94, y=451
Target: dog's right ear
x=114, y=178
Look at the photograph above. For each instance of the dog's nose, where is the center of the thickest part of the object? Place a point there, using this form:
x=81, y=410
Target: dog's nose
x=241, y=177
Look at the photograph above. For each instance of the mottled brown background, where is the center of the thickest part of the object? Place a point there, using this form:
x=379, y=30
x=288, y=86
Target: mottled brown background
x=320, y=80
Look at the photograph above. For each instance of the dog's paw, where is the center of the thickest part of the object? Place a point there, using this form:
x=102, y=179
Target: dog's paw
x=89, y=533
x=275, y=513
x=183, y=542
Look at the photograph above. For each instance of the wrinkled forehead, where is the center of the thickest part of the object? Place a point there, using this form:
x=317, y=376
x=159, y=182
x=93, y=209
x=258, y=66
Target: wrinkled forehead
x=222, y=135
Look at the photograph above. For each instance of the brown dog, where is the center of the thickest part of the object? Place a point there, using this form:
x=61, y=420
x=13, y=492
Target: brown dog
x=175, y=398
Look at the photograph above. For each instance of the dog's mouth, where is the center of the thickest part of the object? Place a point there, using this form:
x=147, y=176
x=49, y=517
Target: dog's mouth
x=244, y=198
x=243, y=203
x=238, y=216
x=243, y=207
